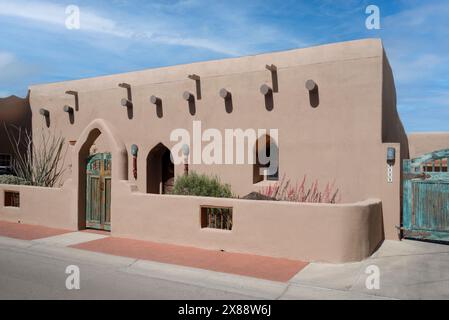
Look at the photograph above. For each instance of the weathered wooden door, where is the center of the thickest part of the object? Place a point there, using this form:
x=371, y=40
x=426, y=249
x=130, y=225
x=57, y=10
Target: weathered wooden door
x=426, y=197
x=98, y=192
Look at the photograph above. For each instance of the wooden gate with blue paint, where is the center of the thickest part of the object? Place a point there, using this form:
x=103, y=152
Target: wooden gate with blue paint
x=426, y=197
x=98, y=191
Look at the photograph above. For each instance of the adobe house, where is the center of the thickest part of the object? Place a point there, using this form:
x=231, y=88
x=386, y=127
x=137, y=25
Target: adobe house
x=335, y=110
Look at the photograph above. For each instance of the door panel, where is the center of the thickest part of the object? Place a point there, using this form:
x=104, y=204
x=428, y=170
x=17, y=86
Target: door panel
x=98, y=192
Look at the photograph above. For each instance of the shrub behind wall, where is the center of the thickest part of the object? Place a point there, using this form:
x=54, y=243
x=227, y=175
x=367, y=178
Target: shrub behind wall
x=9, y=179
x=201, y=185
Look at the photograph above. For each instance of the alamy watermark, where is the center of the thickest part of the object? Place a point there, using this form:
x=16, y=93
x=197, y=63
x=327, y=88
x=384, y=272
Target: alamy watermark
x=372, y=282
x=373, y=20
x=72, y=282
x=212, y=147
x=72, y=21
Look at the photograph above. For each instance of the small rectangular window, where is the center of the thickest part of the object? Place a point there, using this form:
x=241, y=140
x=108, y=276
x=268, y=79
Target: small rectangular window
x=12, y=199
x=216, y=218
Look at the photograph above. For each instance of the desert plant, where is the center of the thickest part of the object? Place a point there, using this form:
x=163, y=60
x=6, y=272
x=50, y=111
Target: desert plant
x=10, y=179
x=299, y=192
x=195, y=184
x=41, y=163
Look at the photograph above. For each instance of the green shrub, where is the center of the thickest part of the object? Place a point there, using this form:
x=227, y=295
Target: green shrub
x=9, y=179
x=201, y=185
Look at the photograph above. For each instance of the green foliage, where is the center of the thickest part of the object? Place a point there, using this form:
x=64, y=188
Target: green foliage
x=201, y=185
x=9, y=179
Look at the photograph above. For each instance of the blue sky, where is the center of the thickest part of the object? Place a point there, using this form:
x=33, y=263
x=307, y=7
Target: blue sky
x=120, y=36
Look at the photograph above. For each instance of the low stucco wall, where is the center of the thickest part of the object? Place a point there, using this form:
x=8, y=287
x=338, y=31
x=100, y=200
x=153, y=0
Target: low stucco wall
x=310, y=232
x=50, y=207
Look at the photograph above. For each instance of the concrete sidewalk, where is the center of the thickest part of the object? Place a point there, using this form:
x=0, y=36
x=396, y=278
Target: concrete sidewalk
x=36, y=269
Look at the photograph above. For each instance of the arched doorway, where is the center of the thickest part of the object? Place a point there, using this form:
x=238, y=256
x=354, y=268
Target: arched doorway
x=160, y=170
x=98, y=142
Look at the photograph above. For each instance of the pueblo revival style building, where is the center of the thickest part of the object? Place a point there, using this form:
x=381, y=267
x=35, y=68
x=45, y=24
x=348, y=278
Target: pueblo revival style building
x=334, y=107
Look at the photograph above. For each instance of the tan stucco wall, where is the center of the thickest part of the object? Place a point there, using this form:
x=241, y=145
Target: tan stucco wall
x=426, y=142
x=51, y=207
x=308, y=232
x=343, y=139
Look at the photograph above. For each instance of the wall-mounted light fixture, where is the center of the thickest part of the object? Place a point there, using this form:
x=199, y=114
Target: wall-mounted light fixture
x=266, y=89
x=126, y=103
x=314, y=96
x=155, y=100
x=134, y=152
x=187, y=96
x=311, y=85
x=75, y=94
x=67, y=109
x=391, y=155
x=225, y=94
x=44, y=112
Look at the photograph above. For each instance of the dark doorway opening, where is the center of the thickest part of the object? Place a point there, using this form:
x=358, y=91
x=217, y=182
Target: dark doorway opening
x=160, y=170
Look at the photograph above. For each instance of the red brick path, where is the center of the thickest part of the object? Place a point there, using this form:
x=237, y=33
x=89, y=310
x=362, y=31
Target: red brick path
x=28, y=232
x=269, y=268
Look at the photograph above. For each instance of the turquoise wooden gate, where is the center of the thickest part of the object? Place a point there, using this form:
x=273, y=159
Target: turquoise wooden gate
x=98, y=192
x=426, y=197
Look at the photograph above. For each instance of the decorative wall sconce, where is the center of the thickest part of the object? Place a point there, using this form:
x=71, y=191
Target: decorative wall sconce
x=68, y=109
x=267, y=92
x=126, y=103
x=44, y=112
x=266, y=89
x=134, y=152
x=75, y=94
x=155, y=100
x=197, y=80
x=314, y=96
x=311, y=85
x=391, y=155
x=158, y=103
x=225, y=94
x=188, y=96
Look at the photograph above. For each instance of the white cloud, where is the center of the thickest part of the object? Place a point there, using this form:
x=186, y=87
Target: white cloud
x=91, y=22
x=212, y=26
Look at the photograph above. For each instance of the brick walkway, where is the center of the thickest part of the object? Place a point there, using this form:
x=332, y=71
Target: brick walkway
x=275, y=269
x=269, y=268
x=28, y=232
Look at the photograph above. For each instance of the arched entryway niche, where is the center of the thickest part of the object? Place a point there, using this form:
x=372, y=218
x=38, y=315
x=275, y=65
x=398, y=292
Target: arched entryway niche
x=100, y=161
x=160, y=170
x=263, y=170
